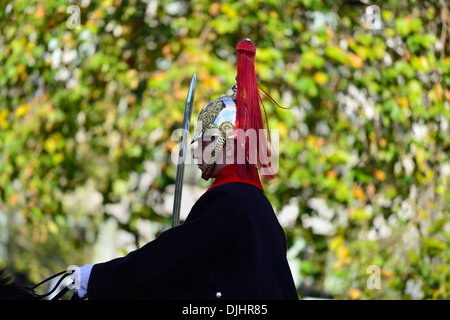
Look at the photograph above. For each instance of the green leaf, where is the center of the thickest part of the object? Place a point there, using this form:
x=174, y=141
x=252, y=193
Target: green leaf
x=337, y=54
x=311, y=59
x=308, y=86
x=120, y=187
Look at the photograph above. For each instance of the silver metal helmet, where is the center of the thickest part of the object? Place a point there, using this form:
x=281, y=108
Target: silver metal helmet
x=216, y=119
x=220, y=117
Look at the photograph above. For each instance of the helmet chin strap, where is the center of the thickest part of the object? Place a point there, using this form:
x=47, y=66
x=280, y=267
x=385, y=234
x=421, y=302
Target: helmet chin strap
x=206, y=174
x=211, y=164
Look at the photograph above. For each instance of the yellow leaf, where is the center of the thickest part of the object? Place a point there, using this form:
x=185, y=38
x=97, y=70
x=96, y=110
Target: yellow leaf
x=440, y=190
x=351, y=212
x=305, y=183
x=52, y=227
x=387, y=274
x=91, y=22
x=331, y=174
x=424, y=63
x=273, y=14
x=40, y=11
x=403, y=101
x=342, y=252
x=118, y=151
x=159, y=76
x=283, y=130
x=351, y=41
x=170, y=145
x=380, y=175
x=45, y=110
x=22, y=110
x=98, y=13
x=57, y=158
x=53, y=143
x=21, y=69
x=429, y=175
x=355, y=60
x=3, y=116
x=336, y=242
x=438, y=91
x=358, y=193
x=228, y=10
x=210, y=81
x=166, y=50
x=354, y=293
x=321, y=77
x=132, y=74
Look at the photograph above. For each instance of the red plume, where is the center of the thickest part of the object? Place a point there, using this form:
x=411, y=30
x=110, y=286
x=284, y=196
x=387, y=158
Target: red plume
x=248, y=111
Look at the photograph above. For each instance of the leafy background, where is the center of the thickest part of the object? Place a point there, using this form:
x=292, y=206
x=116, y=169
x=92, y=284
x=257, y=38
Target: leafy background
x=87, y=115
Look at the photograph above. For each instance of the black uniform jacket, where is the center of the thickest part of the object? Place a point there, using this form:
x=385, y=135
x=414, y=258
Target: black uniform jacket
x=231, y=245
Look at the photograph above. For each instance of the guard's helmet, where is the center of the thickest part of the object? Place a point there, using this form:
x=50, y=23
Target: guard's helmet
x=216, y=119
x=233, y=116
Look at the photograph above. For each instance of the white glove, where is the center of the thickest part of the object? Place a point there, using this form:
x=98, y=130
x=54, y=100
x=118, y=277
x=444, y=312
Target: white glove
x=80, y=278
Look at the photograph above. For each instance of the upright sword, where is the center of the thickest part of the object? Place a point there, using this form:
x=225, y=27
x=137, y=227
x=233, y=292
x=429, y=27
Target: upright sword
x=182, y=153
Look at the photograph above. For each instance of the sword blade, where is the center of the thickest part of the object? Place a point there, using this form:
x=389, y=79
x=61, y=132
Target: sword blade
x=182, y=154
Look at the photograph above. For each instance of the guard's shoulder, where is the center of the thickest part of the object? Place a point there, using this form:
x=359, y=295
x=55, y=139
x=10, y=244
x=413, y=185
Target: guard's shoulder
x=238, y=189
x=215, y=200
x=222, y=190
x=214, y=196
x=229, y=192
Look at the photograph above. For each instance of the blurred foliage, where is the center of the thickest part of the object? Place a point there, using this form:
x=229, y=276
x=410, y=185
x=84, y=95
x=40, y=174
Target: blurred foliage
x=364, y=145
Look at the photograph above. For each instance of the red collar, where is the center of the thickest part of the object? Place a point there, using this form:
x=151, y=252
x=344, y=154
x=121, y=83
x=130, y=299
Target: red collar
x=229, y=174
